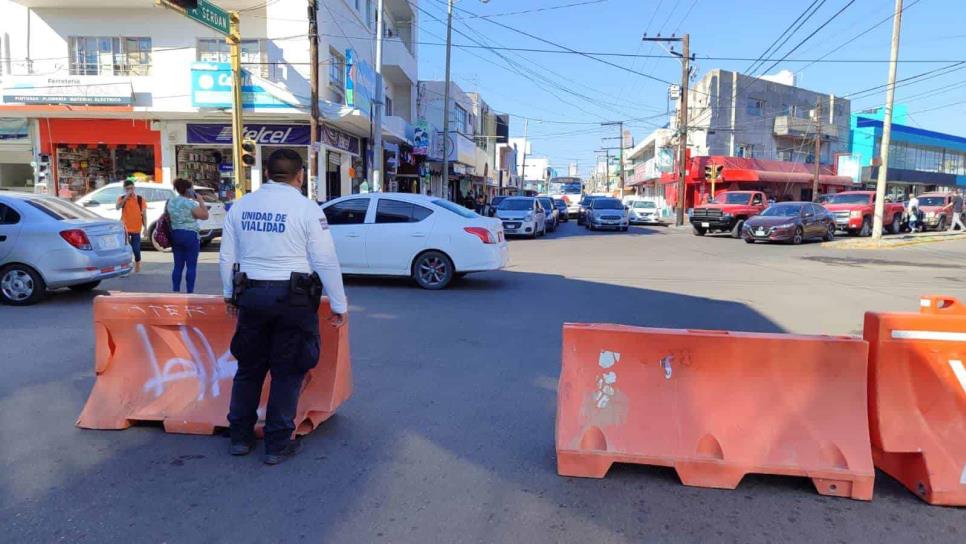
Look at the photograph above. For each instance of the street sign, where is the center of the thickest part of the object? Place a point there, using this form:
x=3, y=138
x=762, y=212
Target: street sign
x=206, y=13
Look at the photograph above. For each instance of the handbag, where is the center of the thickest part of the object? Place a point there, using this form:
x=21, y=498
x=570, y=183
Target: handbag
x=162, y=230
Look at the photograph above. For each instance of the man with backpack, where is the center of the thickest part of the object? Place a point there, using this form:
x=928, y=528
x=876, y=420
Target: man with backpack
x=135, y=218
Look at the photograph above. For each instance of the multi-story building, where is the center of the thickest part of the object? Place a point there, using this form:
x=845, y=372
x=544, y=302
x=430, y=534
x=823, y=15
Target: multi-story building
x=919, y=159
x=103, y=89
x=735, y=115
x=462, y=132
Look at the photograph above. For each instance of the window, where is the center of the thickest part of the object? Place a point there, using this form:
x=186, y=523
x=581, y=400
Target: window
x=61, y=209
x=336, y=70
x=347, y=212
x=108, y=196
x=755, y=106
x=369, y=12
x=395, y=211
x=105, y=55
x=745, y=150
x=455, y=208
x=156, y=195
x=756, y=200
x=254, y=54
x=460, y=119
x=8, y=216
x=388, y=106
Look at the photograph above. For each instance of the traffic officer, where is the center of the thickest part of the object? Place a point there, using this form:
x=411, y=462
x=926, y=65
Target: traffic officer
x=272, y=242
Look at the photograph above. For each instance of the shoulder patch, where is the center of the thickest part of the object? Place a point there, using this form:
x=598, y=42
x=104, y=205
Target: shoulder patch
x=324, y=222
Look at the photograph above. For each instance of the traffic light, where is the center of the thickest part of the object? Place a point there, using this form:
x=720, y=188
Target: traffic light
x=712, y=171
x=248, y=152
x=185, y=4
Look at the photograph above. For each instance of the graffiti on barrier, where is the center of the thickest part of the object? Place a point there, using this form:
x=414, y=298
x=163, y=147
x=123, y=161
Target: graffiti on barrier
x=207, y=369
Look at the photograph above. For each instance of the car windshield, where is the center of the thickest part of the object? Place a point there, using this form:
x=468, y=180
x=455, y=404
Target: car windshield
x=61, y=209
x=516, y=204
x=559, y=203
x=932, y=201
x=783, y=210
x=496, y=201
x=607, y=204
x=732, y=198
x=207, y=195
x=547, y=203
x=644, y=204
x=455, y=208
x=846, y=198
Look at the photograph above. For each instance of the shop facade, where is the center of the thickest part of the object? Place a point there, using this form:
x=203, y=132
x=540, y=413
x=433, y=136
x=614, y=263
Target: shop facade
x=16, y=155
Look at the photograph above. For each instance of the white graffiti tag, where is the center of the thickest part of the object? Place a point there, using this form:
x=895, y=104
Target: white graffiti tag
x=203, y=366
x=606, y=380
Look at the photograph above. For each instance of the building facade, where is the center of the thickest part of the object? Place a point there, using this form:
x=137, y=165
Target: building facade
x=109, y=89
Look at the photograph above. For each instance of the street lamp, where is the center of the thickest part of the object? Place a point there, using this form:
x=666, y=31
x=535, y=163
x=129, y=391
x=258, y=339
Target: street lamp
x=449, y=47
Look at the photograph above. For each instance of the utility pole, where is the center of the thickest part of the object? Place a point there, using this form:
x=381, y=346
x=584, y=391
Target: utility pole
x=378, y=156
x=237, y=125
x=620, y=137
x=314, y=83
x=449, y=47
x=523, y=171
x=682, y=121
x=880, y=185
x=818, y=147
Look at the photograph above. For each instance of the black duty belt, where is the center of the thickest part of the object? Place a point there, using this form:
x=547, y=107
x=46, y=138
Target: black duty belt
x=268, y=283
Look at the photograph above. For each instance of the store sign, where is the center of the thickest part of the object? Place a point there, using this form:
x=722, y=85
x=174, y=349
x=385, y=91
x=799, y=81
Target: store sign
x=334, y=137
x=69, y=90
x=360, y=83
x=211, y=88
x=424, y=136
x=210, y=133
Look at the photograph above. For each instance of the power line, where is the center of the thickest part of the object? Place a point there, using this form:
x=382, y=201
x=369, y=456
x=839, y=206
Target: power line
x=535, y=10
x=768, y=50
x=810, y=36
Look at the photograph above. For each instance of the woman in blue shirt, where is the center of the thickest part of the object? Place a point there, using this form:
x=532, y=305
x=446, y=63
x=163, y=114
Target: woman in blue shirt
x=185, y=210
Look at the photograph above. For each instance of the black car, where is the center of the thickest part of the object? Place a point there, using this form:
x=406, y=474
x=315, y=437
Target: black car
x=494, y=202
x=562, y=208
x=584, y=206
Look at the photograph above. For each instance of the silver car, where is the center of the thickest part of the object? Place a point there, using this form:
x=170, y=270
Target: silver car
x=606, y=213
x=46, y=243
x=522, y=215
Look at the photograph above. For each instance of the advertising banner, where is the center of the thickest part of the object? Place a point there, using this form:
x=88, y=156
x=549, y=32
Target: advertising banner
x=360, y=83
x=69, y=90
x=214, y=133
x=211, y=88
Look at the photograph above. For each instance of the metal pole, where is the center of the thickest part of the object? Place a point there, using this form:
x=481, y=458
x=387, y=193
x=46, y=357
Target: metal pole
x=377, y=153
x=314, y=178
x=449, y=47
x=880, y=185
x=234, y=40
x=620, y=128
x=523, y=171
x=683, y=130
x=818, y=148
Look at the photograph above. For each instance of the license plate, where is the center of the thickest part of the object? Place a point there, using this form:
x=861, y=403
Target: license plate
x=110, y=241
x=760, y=232
x=705, y=225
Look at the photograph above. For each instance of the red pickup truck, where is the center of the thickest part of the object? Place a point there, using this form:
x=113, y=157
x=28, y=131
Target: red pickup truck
x=728, y=212
x=853, y=211
x=937, y=209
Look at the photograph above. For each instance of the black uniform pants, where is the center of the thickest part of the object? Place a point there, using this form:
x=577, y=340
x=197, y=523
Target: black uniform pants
x=272, y=335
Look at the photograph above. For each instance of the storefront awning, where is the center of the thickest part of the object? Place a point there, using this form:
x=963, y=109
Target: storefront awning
x=770, y=176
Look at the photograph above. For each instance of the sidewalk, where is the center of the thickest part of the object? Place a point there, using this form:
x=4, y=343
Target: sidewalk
x=893, y=241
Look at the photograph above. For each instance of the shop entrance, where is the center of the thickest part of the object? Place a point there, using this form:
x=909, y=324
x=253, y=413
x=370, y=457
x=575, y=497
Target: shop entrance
x=208, y=166
x=333, y=176
x=303, y=153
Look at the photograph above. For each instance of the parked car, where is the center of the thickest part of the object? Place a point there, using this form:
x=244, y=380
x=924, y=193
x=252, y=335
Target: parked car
x=403, y=234
x=46, y=243
x=494, y=203
x=103, y=202
x=582, y=209
x=643, y=212
x=562, y=212
x=937, y=210
x=853, y=212
x=522, y=215
x=792, y=222
x=553, y=214
x=606, y=213
x=727, y=212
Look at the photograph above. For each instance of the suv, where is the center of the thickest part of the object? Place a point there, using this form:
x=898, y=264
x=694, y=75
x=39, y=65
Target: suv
x=728, y=212
x=103, y=202
x=937, y=210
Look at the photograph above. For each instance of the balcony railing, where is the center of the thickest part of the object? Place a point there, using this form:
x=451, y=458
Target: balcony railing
x=795, y=127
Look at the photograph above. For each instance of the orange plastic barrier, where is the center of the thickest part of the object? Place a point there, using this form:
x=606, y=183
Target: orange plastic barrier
x=166, y=358
x=917, y=398
x=715, y=406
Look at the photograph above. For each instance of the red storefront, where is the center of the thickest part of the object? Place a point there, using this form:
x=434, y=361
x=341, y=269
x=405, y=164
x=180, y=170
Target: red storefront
x=86, y=154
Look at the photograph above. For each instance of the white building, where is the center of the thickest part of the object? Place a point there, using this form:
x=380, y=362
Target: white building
x=107, y=88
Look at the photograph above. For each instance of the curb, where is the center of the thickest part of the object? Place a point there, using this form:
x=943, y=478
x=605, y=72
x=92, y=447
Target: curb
x=890, y=243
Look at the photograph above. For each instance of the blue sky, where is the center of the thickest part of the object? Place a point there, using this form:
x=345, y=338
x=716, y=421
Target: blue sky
x=558, y=91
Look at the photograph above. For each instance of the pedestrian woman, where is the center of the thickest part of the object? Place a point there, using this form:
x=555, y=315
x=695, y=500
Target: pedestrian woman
x=185, y=209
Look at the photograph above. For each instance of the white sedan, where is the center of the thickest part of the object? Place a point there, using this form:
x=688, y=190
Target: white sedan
x=402, y=234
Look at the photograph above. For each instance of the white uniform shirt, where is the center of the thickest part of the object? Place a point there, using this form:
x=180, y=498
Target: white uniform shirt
x=276, y=231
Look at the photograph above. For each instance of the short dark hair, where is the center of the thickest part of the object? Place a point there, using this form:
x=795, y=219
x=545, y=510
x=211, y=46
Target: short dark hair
x=182, y=185
x=128, y=182
x=283, y=165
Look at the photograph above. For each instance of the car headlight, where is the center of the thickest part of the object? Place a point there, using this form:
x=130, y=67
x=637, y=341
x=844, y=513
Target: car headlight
x=854, y=214
x=930, y=215
x=785, y=226
x=529, y=217
x=726, y=216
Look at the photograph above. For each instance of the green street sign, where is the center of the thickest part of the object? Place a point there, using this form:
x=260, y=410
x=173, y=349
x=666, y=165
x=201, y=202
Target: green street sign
x=206, y=13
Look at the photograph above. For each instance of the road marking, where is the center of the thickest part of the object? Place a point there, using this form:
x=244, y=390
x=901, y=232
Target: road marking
x=944, y=336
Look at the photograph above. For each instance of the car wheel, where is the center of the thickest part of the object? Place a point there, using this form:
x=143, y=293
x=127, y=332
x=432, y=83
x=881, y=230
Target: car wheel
x=798, y=237
x=21, y=285
x=830, y=233
x=736, y=230
x=433, y=270
x=89, y=286
x=154, y=244
x=866, y=229
x=698, y=231
x=895, y=226
x=749, y=240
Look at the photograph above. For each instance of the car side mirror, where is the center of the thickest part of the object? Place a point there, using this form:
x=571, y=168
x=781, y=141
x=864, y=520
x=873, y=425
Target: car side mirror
x=91, y=204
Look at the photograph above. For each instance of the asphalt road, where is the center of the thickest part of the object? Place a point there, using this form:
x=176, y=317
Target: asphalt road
x=449, y=435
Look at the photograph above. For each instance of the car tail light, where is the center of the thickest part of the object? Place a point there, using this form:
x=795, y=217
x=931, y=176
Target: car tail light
x=76, y=238
x=483, y=234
